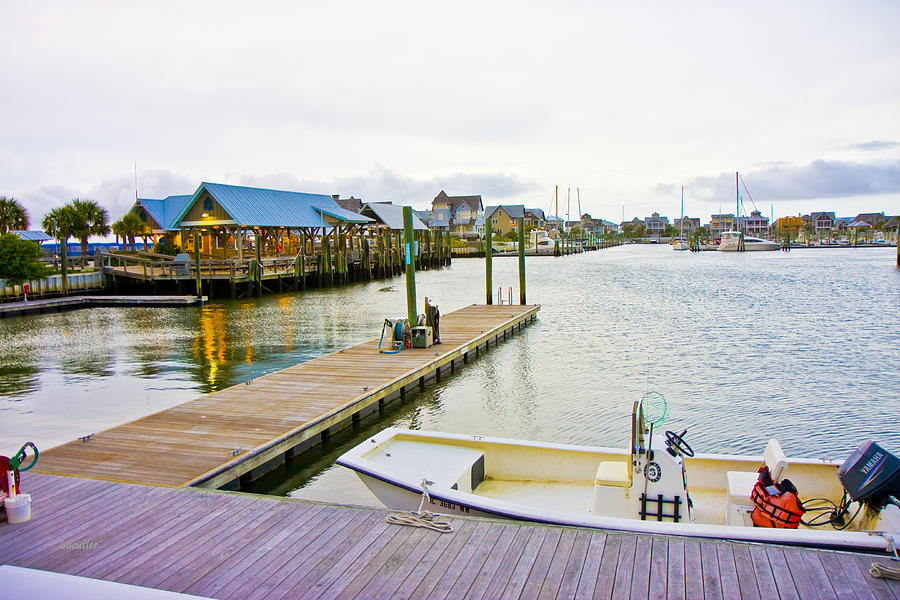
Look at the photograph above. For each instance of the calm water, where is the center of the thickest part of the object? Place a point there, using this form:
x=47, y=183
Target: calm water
x=802, y=346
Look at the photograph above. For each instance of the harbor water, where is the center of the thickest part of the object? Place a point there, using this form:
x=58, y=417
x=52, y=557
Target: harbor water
x=802, y=346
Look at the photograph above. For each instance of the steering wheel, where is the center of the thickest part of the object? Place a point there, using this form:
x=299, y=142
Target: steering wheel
x=676, y=441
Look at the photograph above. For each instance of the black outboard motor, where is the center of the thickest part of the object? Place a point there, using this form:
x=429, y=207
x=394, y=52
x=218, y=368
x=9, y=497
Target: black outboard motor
x=871, y=476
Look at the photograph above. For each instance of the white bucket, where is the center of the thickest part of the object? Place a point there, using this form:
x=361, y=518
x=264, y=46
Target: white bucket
x=18, y=508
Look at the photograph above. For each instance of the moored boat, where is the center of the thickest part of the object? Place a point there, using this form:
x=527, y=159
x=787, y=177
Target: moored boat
x=657, y=486
x=731, y=242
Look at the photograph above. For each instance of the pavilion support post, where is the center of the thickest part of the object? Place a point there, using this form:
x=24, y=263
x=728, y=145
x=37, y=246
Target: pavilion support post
x=329, y=267
x=302, y=261
x=259, y=267
x=197, y=264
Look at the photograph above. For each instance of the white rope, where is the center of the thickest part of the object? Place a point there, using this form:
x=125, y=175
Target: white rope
x=421, y=517
x=883, y=571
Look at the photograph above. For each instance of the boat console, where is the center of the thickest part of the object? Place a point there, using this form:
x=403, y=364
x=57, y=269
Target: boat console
x=654, y=485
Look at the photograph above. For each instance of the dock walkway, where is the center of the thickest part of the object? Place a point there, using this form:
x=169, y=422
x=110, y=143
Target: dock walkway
x=247, y=429
x=230, y=545
x=49, y=305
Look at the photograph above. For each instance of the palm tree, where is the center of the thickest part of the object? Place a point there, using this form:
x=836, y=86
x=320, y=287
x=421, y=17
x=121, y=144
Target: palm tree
x=59, y=224
x=13, y=215
x=92, y=220
x=127, y=227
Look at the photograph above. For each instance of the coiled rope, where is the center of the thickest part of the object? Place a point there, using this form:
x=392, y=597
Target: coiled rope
x=883, y=571
x=421, y=517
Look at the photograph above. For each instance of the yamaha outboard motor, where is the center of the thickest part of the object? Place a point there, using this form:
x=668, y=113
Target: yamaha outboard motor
x=871, y=476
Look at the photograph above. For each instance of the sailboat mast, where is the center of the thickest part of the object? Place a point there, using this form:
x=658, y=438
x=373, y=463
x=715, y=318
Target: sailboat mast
x=737, y=203
x=682, y=213
x=556, y=198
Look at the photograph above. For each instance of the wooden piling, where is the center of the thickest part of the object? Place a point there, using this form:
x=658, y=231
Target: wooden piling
x=410, y=251
x=488, y=252
x=521, y=226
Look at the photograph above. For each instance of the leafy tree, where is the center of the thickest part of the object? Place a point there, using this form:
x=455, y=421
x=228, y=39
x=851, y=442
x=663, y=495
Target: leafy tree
x=92, y=219
x=670, y=231
x=633, y=230
x=13, y=215
x=128, y=227
x=19, y=260
x=511, y=235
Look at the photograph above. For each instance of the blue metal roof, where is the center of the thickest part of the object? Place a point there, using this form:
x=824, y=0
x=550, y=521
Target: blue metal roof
x=32, y=235
x=258, y=207
x=165, y=211
x=391, y=215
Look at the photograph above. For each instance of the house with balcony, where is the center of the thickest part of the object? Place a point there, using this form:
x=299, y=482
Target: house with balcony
x=655, y=225
x=465, y=214
x=755, y=225
x=720, y=223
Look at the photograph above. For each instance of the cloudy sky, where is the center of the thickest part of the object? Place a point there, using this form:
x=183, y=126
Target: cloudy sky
x=394, y=101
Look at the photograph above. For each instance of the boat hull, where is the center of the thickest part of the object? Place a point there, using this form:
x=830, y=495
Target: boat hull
x=402, y=489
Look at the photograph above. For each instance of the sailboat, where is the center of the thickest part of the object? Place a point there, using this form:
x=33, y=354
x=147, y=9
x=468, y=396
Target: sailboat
x=737, y=241
x=680, y=243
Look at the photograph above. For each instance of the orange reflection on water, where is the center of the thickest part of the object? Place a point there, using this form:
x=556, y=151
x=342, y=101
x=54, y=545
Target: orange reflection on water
x=212, y=344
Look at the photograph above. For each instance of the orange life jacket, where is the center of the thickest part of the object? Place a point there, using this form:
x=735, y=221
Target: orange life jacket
x=782, y=510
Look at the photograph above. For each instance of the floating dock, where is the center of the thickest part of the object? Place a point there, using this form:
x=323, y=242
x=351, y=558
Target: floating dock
x=50, y=305
x=231, y=545
x=248, y=429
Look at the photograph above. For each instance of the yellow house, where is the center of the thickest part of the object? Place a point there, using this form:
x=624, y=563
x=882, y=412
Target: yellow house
x=504, y=218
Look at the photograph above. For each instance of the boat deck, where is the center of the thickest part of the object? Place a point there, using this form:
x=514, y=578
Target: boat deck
x=229, y=545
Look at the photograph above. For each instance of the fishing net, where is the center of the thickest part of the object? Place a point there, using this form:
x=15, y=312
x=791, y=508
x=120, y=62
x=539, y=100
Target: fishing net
x=655, y=407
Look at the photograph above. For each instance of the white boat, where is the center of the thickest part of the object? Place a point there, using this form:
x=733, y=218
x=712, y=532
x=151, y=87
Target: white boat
x=658, y=486
x=541, y=241
x=731, y=242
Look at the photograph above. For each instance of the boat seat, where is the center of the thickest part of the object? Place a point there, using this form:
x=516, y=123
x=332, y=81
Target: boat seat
x=740, y=483
x=614, y=472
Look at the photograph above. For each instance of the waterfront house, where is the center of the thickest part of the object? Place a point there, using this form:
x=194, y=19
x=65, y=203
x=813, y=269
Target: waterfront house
x=466, y=213
x=504, y=218
x=720, y=223
x=755, y=224
x=534, y=217
x=873, y=219
x=822, y=222
x=687, y=225
x=655, y=225
x=352, y=204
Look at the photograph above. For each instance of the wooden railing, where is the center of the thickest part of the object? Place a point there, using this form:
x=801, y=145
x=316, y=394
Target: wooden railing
x=145, y=268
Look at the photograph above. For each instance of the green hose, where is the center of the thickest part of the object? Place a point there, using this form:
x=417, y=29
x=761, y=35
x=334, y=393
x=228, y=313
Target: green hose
x=16, y=461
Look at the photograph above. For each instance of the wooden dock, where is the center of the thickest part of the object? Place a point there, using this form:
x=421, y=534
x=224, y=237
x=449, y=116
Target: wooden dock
x=248, y=429
x=230, y=545
x=49, y=305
